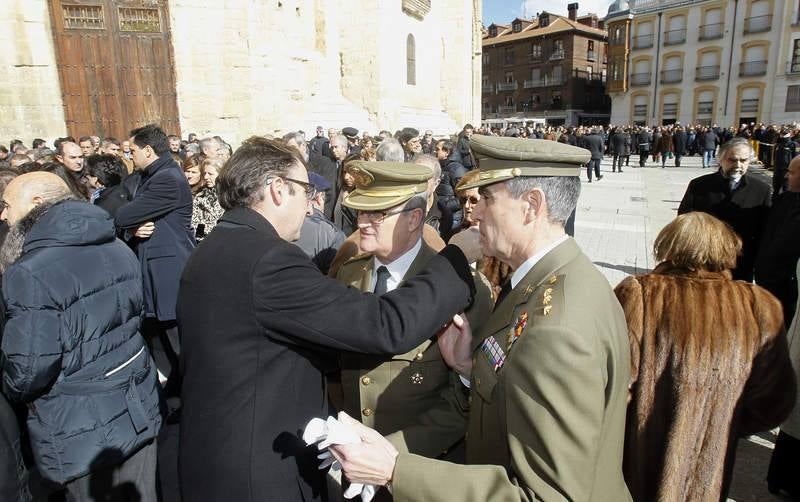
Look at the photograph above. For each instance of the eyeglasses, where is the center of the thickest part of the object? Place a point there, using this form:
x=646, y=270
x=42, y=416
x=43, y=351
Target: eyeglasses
x=378, y=217
x=472, y=200
x=4, y=205
x=310, y=190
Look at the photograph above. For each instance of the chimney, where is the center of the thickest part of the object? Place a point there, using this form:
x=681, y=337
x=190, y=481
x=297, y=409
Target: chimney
x=573, y=11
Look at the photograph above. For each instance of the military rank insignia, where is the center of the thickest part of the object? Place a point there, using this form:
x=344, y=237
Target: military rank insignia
x=494, y=352
x=519, y=327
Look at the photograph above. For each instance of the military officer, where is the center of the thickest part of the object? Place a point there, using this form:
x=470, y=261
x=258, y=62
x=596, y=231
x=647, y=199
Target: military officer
x=550, y=375
x=390, y=393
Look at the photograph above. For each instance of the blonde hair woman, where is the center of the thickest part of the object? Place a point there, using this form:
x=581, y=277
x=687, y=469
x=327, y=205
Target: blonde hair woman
x=709, y=364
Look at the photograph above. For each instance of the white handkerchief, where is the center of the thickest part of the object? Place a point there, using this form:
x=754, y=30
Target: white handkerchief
x=325, y=433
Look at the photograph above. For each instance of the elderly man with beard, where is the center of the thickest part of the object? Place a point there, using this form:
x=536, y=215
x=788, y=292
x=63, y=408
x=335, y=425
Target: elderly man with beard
x=261, y=326
x=736, y=197
x=71, y=347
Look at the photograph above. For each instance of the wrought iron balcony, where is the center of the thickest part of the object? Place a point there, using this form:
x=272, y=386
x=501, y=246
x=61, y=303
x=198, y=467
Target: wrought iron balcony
x=752, y=68
x=705, y=107
x=706, y=73
x=507, y=86
x=544, y=82
x=749, y=106
x=487, y=88
x=559, y=54
x=643, y=41
x=675, y=37
x=641, y=78
x=711, y=31
x=502, y=110
x=757, y=24
x=671, y=76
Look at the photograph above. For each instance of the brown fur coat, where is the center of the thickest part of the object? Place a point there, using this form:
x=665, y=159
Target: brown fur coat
x=709, y=364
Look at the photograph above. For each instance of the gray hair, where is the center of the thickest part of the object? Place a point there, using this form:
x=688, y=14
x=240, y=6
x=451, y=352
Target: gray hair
x=210, y=143
x=192, y=148
x=298, y=138
x=561, y=193
x=428, y=160
x=340, y=140
x=733, y=143
x=390, y=150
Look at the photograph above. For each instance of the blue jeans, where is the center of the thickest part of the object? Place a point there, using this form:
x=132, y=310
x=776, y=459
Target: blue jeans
x=707, y=156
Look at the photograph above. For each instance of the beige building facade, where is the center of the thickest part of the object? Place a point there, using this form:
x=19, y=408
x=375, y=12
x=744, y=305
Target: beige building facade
x=241, y=67
x=720, y=62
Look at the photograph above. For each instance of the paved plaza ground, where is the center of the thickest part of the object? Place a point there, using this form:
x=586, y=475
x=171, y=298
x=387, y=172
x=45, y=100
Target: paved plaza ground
x=617, y=221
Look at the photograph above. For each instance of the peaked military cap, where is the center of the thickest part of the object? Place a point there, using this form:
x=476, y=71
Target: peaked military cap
x=350, y=132
x=502, y=159
x=381, y=185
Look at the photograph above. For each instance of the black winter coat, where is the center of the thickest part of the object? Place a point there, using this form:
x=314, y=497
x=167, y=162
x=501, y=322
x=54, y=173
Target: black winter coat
x=617, y=143
x=260, y=325
x=707, y=141
x=679, y=142
x=779, y=251
x=745, y=209
x=594, y=143
x=88, y=379
x=163, y=197
x=450, y=207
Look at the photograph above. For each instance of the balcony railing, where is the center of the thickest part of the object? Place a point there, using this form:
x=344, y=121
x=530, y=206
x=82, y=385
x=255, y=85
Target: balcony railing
x=559, y=54
x=752, y=68
x=507, y=86
x=671, y=76
x=670, y=109
x=640, y=110
x=643, y=41
x=640, y=78
x=487, y=88
x=705, y=107
x=757, y=24
x=675, y=37
x=544, y=82
x=749, y=106
x=506, y=109
x=706, y=73
x=710, y=31
x=593, y=77
x=535, y=56
x=793, y=67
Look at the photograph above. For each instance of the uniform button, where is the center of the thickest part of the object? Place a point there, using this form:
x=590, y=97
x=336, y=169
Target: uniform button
x=419, y=356
x=367, y=412
x=366, y=380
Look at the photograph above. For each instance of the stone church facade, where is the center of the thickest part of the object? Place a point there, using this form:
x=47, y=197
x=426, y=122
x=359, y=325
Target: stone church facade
x=237, y=67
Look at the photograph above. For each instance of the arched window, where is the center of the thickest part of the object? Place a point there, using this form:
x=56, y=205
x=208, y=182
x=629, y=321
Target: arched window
x=411, y=60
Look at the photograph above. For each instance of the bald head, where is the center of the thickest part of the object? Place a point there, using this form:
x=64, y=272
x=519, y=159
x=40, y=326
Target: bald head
x=28, y=191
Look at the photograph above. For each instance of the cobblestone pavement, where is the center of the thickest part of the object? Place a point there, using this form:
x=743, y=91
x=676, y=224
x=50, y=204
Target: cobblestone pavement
x=618, y=219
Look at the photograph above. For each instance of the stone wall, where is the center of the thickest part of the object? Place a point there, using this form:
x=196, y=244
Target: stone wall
x=30, y=93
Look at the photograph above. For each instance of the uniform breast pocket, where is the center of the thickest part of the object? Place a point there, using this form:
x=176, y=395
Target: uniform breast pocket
x=485, y=380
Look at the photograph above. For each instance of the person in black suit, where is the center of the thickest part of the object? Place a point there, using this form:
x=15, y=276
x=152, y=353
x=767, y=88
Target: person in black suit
x=739, y=199
x=105, y=173
x=261, y=326
x=594, y=143
x=158, y=228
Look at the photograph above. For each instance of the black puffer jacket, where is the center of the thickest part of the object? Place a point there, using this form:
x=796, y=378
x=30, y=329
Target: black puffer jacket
x=452, y=172
x=88, y=379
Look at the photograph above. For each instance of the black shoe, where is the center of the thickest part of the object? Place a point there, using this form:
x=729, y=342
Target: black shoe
x=590, y=180
x=613, y=170
x=599, y=177
x=620, y=170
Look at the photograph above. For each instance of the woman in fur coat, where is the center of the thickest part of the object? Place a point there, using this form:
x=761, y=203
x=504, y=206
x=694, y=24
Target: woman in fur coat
x=709, y=360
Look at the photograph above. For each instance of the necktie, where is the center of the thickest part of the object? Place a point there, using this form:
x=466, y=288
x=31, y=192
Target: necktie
x=503, y=293
x=383, y=278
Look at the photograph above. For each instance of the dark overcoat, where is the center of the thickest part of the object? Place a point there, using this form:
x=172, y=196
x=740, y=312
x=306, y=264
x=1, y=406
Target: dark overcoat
x=163, y=197
x=745, y=209
x=259, y=327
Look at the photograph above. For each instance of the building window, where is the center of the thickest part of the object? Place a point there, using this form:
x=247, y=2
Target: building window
x=640, y=110
x=411, y=60
x=795, y=64
x=80, y=17
x=485, y=59
x=509, y=77
x=508, y=56
x=536, y=51
x=617, y=67
x=139, y=20
x=558, y=49
x=493, y=31
x=544, y=20
x=590, y=55
x=516, y=27
x=793, y=98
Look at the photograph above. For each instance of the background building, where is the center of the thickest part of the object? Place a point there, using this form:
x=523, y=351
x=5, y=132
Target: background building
x=549, y=68
x=704, y=61
x=237, y=67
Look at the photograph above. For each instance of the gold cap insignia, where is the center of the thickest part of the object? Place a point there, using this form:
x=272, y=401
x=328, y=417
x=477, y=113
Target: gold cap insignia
x=553, y=279
x=361, y=177
x=516, y=172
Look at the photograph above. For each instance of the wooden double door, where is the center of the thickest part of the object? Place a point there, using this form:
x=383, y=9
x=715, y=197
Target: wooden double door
x=115, y=65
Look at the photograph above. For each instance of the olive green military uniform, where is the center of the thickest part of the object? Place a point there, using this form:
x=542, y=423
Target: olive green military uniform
x=389, y=394
x=549, y=379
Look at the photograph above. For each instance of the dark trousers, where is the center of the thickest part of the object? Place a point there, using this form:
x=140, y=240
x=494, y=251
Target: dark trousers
x=782, y=474
x=616, y=162
x=594, y=163
x=164, y=344
x=678, y=160
x=643, y=154
x=134, y=479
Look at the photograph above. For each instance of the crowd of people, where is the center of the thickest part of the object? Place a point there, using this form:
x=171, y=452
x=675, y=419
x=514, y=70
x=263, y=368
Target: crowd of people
x=175, y=311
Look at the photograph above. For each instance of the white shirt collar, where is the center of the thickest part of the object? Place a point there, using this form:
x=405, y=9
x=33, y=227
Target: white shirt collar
x=397, y=269
x=528, y=264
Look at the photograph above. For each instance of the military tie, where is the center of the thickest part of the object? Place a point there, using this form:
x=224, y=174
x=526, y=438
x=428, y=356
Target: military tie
x=381, y=284
x=503, y=293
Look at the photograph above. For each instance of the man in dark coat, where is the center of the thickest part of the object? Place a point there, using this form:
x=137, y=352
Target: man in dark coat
x=71, y=345
x=679, y=143
x=452, y=172
x=594, y=143
x=734, y=196
x=707, y=141
x=158, y=226
x=261, y=326
x=617, y=140
x=643, y=138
